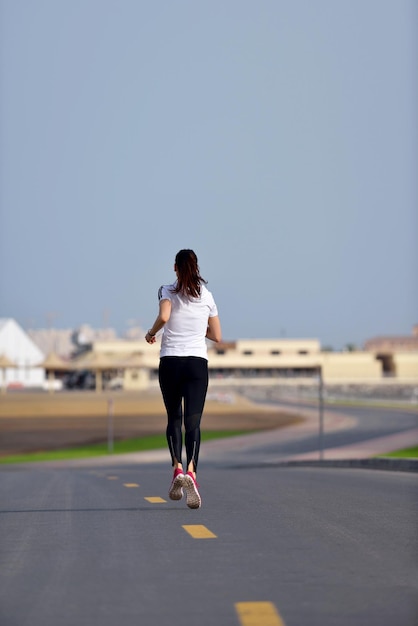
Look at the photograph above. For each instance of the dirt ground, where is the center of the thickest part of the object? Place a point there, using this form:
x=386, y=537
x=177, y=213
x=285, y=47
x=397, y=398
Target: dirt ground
x=41, y=421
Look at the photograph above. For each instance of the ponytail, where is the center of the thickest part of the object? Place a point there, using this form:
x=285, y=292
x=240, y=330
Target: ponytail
x=189, y=279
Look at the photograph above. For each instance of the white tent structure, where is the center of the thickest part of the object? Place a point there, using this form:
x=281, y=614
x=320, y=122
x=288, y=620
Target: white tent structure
x=19, y=348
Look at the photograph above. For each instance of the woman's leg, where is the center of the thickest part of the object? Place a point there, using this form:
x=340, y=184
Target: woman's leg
x=169, y=375
x=195, y=388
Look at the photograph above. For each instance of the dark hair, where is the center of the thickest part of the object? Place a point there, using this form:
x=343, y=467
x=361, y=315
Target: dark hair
x=188, y=274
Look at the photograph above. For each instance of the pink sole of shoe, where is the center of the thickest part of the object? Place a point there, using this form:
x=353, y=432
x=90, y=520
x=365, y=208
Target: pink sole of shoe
x=193, y=499
x=176, y=488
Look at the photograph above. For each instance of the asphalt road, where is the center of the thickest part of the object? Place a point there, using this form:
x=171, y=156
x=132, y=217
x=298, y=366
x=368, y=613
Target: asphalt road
x=367, y=423
x=318, y=547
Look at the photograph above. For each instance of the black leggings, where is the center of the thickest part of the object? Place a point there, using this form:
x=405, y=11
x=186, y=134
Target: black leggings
x=184, y=378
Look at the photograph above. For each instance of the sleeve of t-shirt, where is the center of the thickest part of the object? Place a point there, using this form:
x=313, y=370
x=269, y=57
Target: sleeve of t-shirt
x=213, y=310
x=164, y=293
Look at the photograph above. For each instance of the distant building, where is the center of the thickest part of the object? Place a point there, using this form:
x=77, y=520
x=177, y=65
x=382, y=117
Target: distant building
x=53, y=340
x=18, y=348
x=398, y=354
x=65, y=342
x=130, y=363
x=245, y=359
x=387, y=344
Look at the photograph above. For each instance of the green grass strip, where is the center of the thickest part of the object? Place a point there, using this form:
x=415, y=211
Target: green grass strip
x=407, y=453
x=138, y=444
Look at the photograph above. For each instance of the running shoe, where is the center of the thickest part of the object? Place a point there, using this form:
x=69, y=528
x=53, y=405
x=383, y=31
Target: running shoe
x=176, y=488
x=193, y=499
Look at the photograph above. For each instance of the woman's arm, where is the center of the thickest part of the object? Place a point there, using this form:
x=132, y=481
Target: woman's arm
x=162, y=319
x=214, y=332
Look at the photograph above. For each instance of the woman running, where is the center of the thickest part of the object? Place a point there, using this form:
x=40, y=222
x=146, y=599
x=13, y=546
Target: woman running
x=188, y=315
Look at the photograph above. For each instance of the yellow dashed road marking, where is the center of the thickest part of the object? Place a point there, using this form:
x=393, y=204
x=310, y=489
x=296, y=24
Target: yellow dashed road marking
x=197, y=531
x=155, y=499
x=130, y=485
x=112, y=477
x=258, y=614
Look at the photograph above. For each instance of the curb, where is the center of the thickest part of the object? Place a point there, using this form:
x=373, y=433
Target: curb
x=391, y=465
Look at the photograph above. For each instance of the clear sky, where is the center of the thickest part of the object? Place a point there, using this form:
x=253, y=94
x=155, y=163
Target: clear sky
x=277, y=138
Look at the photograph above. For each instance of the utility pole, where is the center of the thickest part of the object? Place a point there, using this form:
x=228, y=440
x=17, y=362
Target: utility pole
x=321, y=413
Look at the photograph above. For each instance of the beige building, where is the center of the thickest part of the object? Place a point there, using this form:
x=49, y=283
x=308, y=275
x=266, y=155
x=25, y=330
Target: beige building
x=393, y=343
x=135, y=363
x=398, y=354
x=351, y=367
x=291, y=358
x=406, y=366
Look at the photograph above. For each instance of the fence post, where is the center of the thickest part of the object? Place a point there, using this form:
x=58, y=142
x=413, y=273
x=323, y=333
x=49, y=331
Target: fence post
x=321, y=413
x=110, y=425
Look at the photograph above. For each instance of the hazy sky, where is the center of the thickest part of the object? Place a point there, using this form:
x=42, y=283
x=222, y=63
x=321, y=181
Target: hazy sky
x=277, y=138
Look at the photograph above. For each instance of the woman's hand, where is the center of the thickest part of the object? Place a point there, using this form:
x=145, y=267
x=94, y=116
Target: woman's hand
x=150, y=338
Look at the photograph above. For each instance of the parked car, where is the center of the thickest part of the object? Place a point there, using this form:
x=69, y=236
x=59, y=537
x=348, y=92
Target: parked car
x=80, y=379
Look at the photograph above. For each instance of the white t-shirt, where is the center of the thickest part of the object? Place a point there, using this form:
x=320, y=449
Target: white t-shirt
x=184, y=333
